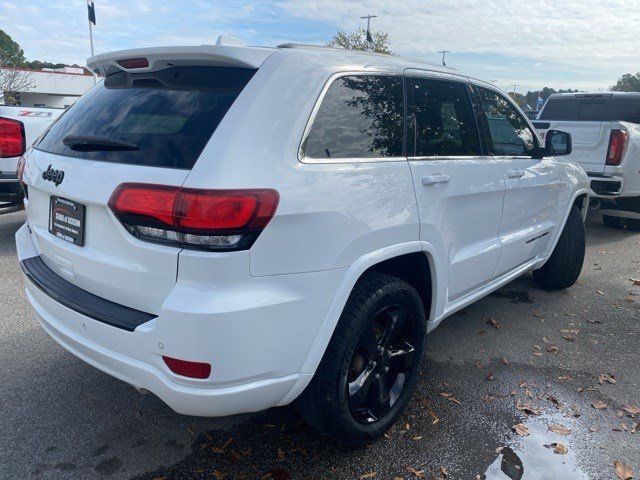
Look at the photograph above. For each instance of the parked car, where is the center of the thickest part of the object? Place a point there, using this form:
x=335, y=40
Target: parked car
x=234, y=228
x=605, y=128
x=19, y=127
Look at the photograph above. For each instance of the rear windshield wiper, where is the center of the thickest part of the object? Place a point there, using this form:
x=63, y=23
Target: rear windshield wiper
x=93, y=143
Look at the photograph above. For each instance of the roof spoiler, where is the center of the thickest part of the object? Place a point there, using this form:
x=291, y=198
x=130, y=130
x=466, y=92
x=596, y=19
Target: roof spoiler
x=143, y=60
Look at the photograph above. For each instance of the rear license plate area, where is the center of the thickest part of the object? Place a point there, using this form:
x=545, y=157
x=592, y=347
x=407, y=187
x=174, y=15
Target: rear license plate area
x=67, y=220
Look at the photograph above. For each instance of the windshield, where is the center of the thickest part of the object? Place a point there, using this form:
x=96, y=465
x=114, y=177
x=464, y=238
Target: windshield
x=593, y=109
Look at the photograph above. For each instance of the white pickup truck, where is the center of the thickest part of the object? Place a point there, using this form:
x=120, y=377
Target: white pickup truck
x=19, y=127
x=605, y=130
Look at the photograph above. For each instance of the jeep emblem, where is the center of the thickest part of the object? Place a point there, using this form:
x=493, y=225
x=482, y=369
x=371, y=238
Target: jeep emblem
x=55, y=176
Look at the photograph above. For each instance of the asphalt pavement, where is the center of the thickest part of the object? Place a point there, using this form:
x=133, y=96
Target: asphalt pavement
x=523, y=384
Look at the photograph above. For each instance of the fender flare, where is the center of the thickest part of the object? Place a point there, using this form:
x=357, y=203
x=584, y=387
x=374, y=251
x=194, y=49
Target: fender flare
x=340, y=297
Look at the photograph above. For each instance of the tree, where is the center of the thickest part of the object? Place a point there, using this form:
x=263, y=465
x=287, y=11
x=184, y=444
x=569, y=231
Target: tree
x=10, y=52
x=12, y=79
x=358, y=41
x=628, y=83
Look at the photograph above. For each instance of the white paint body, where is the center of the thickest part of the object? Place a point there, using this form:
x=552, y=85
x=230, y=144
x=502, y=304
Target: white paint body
x=263, y=317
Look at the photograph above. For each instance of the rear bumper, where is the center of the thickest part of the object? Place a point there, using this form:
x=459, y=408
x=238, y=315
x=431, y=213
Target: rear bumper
x=606, y=186
x=251, y=371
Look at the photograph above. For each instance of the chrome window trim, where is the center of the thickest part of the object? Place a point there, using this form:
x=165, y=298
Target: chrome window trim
x=312, y=117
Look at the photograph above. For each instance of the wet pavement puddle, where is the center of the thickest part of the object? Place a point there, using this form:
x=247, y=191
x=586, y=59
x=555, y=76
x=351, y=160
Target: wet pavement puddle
x=532, y=457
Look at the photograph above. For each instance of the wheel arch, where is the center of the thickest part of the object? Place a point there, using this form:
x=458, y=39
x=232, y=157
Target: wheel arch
x=388, y=260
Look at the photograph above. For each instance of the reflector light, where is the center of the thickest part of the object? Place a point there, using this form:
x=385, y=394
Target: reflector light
x=187, y=368
x=12, y=139
x=191, y=218
x=617, y=143
x=134, y=62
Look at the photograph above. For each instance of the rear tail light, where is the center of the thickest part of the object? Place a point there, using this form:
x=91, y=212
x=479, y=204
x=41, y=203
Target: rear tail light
x=617, y=143
x=220, y=220
x=187, y=368
x=12, y=139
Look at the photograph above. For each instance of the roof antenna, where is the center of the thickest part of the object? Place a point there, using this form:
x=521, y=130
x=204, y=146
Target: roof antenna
x=370, y=43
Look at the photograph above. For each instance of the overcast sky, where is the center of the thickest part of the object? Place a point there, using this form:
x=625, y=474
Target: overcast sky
x=585, y=44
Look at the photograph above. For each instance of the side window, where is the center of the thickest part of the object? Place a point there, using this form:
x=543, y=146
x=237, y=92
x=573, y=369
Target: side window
x=360, y=117
x=442, y=120
x=510, y=133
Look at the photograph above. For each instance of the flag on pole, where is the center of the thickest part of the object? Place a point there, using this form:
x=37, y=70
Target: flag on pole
x=92, y=12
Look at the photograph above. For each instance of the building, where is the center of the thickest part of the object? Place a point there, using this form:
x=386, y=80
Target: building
x=50, y=87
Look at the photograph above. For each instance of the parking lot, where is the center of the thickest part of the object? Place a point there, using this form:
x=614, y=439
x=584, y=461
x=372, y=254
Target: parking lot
x=520, y=356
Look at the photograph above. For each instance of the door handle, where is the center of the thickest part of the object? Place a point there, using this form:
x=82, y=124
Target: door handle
x=515, y=173
x=435, y=179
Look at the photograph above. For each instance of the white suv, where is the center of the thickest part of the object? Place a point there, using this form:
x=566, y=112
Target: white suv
x=234, y=228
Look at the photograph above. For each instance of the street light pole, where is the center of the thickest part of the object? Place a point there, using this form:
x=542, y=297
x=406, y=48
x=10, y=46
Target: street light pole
x=369, y=37
x=91, y=17
x=444, y=52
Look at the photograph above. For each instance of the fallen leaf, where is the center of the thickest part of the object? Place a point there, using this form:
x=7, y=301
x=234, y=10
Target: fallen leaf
x=598, y=405
x=280, y=454
x=599, y=292
x=605, y=377
x=494, y=323
x=222, y=448
x=416, y=438
x=527, y=408
x=538, y=354
x=450, y=397
x=417, y=473
x=560, y=430
x=622, y=470
x=521, y=429
x=568, y=338
x=631, y=409
x=504, y=361
x=564, y=377
x=635, y=281
x=443, y=472
x=218, y=475
x=558, y=448
x=368, y=475
x=489, y=377
x=552, y=349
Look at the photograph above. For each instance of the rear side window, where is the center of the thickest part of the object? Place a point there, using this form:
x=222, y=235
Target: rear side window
x=613, y=109
x=360, y=117
x=442, y=122
x=593, y=109
x=561, y=108
x=509, y=131
x=166, y=117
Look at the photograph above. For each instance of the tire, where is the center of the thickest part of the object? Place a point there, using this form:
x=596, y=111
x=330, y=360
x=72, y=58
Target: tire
x=633, y=224
x=564, y=266
x=613, y=222
x=328, y=404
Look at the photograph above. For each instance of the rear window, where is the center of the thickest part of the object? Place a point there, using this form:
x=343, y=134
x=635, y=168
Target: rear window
x=594, y=109
x=168, y=115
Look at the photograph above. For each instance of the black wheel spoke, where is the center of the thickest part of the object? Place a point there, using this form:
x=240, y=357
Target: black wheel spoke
x=401, y=359
x=359, y=388
x=381, y=396
x=396, y=319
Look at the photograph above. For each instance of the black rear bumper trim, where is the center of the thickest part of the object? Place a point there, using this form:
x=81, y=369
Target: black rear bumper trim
x=81, y=301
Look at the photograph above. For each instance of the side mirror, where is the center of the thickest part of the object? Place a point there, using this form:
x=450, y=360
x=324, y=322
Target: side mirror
x=557, y=143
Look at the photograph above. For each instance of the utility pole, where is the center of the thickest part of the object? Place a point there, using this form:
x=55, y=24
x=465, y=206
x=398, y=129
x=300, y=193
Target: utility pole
x=444, y=52
x=369, y=37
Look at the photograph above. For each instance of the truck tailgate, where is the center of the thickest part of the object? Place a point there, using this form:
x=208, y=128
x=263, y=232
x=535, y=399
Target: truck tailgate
x=590, y=141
